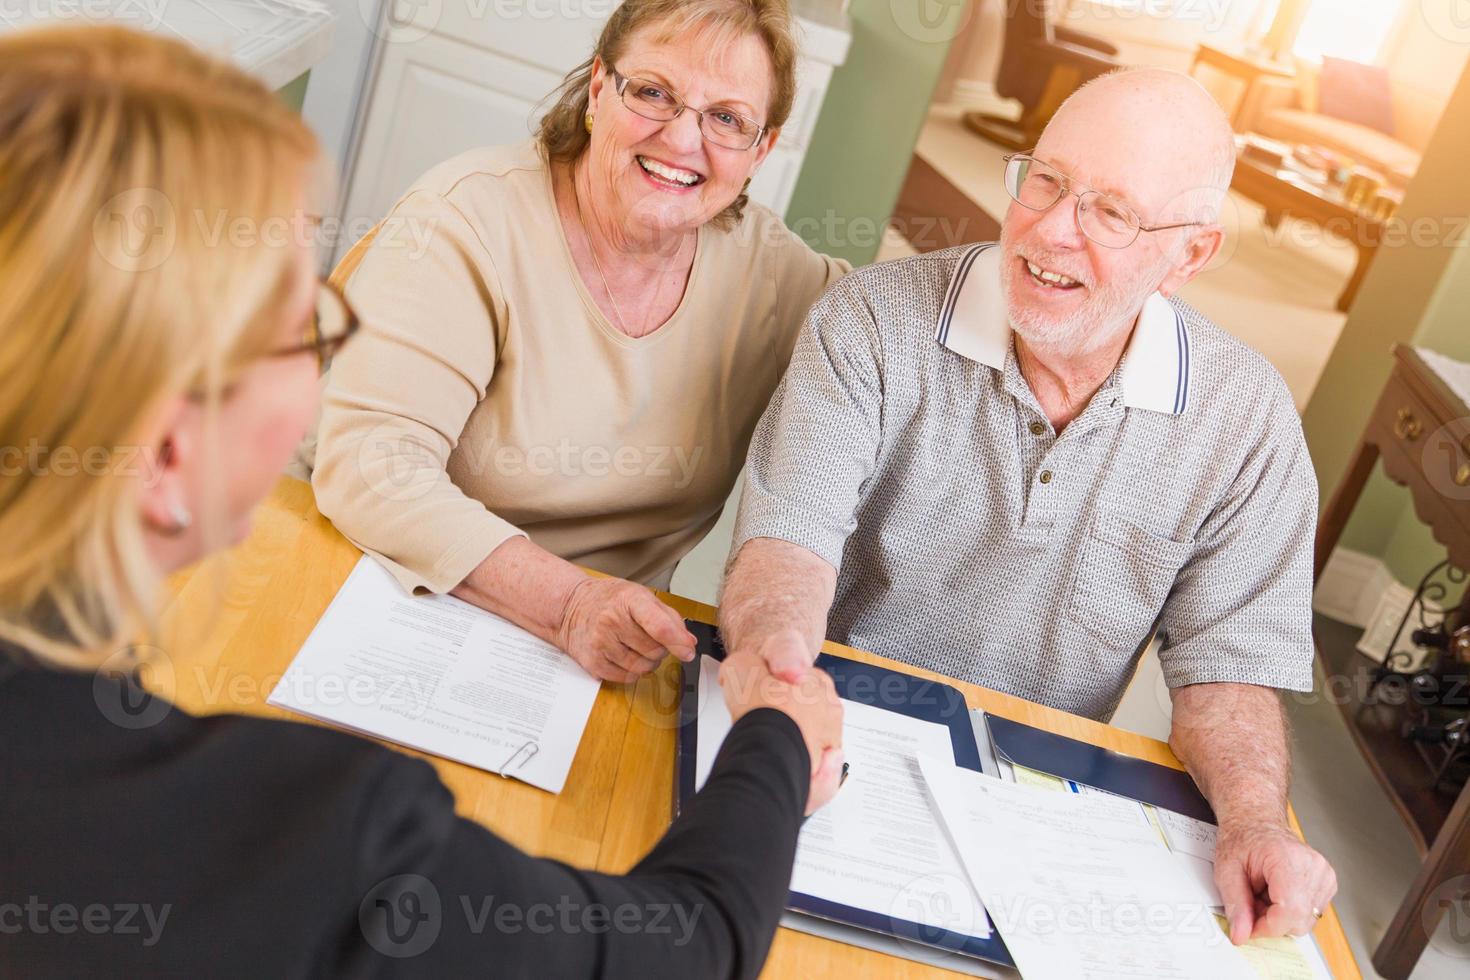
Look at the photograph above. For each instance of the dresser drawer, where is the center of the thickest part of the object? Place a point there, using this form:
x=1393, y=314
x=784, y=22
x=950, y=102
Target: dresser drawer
x=1425, y=447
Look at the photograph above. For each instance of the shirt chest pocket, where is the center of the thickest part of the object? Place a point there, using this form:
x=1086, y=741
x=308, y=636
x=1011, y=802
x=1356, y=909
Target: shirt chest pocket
x=1122, y=578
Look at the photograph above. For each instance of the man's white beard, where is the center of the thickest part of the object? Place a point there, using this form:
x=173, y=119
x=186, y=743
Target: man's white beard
x=1106, y=311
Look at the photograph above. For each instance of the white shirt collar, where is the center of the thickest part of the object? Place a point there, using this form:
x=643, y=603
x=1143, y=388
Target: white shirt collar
x=973, y=323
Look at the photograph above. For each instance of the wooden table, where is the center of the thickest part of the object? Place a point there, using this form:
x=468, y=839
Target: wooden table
x=1285, y=193
x=1420, y=429
x=243, y=615
x=1245, y=69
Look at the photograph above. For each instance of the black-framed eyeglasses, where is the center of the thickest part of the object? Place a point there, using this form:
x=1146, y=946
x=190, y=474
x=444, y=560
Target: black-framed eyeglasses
x=332, y=324
x=1104, y=219
x=721, y=125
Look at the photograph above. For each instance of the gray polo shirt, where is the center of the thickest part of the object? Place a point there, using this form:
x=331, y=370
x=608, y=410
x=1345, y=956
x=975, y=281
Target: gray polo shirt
x=905, y=448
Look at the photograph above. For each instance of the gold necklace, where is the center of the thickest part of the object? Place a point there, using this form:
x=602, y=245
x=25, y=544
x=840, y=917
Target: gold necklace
x=597, y=264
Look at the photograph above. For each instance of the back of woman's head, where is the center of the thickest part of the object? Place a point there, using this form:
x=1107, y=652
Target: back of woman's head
x=138, y=182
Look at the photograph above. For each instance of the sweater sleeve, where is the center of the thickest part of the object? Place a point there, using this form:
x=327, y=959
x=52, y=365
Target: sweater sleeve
x=443, y=896
x=398, y=397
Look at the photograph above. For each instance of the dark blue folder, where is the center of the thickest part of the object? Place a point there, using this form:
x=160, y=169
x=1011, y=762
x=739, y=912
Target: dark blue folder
x=888, y=689
x=1092, y=765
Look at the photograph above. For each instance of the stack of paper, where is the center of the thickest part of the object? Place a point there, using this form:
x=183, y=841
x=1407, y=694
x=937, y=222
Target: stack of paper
x=1082, y=886
x=442, y=676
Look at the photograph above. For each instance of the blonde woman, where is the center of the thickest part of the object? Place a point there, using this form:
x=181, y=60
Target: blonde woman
x=156, y=381
x=570, y=374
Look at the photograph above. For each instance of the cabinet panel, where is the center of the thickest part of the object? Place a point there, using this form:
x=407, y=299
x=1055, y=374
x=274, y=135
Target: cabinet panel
x=776, y=179
x=436, y=98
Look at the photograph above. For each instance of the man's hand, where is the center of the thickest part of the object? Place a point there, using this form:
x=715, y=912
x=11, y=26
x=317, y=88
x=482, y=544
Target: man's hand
x=774, y=605
x=1272, y=883
x=618, y=630
x=786, y=655
x=812, y=703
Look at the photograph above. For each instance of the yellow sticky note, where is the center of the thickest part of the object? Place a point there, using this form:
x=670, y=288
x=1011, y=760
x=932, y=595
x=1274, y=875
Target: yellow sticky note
x=1041, y=780
x=1273, y=959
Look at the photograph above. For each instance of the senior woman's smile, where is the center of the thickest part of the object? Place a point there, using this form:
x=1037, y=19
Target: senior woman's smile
x=678, y=128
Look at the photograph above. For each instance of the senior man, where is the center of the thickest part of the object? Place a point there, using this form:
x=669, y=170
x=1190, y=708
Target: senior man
x=1008, y=462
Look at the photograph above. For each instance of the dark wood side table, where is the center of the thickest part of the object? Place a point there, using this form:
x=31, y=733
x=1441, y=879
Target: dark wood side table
x=1245, y=69
x=1285, y=193
x=1420, y=429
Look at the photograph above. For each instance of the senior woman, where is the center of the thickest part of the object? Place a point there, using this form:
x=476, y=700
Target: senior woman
x=159, y=380
x=571, y=372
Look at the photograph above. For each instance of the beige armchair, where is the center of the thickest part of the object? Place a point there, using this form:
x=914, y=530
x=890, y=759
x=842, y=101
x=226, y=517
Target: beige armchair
x=1275, y=109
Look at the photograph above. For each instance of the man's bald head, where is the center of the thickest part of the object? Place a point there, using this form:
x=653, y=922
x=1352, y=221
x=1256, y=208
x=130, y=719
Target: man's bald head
x=1154, y=143
x=1157, y=129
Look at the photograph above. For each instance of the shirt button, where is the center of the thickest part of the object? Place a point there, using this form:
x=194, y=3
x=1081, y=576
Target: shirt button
x=1046, y=476
x=1037, y=428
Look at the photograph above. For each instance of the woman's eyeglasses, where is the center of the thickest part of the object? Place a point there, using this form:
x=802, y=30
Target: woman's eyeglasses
x=1102, y=218
x=721, y=125
x=332, y=324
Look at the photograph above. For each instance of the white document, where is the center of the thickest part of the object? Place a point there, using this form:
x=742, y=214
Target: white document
x=440, y=675
x=1188, y=835
x=1073, y=883
x=878, y=846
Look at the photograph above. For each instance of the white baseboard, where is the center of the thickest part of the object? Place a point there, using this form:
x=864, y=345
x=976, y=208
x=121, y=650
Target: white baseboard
x=1351, y=586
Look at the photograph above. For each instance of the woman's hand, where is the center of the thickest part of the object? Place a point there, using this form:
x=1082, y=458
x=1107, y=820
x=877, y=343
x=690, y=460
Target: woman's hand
x=810, y=702
x=618, y=630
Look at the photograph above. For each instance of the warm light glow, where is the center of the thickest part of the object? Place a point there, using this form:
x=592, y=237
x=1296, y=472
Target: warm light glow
x=1352, y=29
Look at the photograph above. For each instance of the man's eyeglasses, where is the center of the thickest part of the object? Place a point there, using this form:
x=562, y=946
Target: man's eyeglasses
x=1102, y=218
x=721, y=125
x=332, y=323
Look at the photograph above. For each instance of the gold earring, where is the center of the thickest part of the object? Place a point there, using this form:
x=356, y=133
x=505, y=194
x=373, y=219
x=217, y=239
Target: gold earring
x=587, y=121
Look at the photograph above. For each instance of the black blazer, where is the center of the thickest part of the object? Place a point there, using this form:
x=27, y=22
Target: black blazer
x=138, y=840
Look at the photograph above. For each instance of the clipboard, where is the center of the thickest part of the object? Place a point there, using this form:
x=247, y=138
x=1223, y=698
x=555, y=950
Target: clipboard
x=890, y=690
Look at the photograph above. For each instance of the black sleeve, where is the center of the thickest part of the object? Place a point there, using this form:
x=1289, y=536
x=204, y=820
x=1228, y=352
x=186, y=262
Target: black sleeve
x=442, y=896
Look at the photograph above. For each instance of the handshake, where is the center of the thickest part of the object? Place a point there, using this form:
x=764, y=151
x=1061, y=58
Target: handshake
x=781, y=678
x=619, y=630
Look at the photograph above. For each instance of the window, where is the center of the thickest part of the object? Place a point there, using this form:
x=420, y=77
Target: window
x=1350, y=29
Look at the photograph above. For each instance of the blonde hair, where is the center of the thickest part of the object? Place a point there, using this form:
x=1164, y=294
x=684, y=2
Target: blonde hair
x=120, y=154
x=563, y=135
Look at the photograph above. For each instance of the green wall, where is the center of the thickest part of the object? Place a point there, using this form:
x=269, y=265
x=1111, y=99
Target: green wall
x=870, y=121
x=1416, y=293
x=293, y=93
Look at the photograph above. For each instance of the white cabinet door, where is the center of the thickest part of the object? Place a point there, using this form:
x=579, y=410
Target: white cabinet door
x=434, y=98
x=776, y=179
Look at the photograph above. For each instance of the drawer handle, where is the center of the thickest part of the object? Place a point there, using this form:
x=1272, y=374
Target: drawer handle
x=1407, y=428
x=1462, y=475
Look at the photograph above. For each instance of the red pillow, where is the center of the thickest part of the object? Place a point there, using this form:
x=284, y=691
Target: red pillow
x=1356, y=93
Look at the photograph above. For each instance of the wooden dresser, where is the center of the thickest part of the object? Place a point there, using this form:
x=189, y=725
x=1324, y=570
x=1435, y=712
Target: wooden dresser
x=1420, y=430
